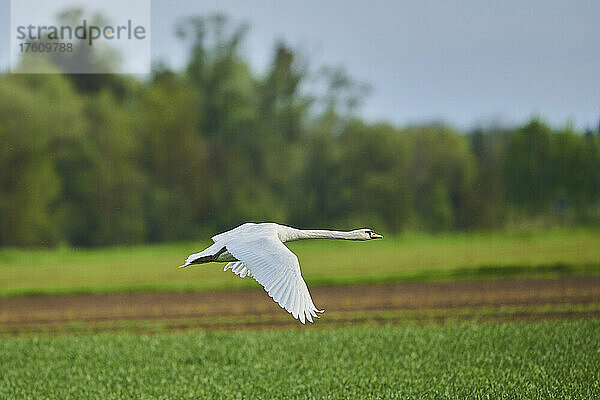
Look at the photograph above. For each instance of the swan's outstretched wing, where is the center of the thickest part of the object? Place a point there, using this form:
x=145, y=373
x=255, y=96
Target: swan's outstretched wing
x=277, y=269
x=238, y=268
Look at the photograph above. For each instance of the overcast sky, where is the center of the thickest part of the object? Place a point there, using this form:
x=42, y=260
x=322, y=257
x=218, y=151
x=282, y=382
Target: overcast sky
x=464, y=62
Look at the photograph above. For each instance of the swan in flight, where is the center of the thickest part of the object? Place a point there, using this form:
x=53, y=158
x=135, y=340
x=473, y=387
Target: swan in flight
x=258, y=250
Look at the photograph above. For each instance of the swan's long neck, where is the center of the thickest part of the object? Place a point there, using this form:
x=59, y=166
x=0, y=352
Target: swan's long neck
x=322, y=234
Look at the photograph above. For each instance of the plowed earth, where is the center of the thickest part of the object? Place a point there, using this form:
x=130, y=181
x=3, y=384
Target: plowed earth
x=412, y=303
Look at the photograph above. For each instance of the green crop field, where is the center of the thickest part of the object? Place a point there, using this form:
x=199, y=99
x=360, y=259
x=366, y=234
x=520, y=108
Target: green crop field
x=468, y=356
x=325, y=262
x=517, y=361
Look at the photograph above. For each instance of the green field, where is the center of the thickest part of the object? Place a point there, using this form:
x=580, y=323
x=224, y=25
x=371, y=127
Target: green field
x=325, y=262
x=401, y=353
x=517, y=361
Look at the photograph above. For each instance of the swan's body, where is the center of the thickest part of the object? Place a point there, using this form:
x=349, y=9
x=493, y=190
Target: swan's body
x=257, y=250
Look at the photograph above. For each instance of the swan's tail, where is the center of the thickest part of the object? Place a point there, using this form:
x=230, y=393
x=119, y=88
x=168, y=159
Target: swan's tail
x=196, y=260
x=205, y=256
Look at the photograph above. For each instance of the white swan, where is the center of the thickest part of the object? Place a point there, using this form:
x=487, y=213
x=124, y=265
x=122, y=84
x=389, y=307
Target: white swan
x=257, y=250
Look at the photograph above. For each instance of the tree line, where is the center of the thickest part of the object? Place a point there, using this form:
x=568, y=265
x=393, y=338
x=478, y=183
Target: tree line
x=93, y=160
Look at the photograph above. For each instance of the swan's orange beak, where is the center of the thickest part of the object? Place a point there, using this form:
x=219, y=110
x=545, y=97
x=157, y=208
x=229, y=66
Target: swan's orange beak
x=376, y=236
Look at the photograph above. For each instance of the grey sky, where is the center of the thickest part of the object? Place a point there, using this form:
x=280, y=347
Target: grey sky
x=460, y=61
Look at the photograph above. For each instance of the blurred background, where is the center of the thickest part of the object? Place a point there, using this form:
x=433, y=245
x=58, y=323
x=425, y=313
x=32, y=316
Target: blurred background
x=403, y=117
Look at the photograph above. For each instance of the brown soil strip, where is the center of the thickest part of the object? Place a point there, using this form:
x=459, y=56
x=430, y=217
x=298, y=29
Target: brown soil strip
x=42, y=312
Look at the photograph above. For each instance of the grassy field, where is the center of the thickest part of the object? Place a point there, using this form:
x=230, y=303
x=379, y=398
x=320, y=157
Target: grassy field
x=518, y=361
x=385, y=353
x=325, y=262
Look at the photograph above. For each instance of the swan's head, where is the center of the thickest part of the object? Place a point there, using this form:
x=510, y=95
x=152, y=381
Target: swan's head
x=367, y=234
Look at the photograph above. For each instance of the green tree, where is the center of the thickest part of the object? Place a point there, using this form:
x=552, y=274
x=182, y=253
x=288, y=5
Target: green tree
x=38, y=114
x=440, y=176
x=174, y=157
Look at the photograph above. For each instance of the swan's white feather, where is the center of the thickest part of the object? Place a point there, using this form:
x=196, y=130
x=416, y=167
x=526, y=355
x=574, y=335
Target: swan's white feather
x=238, y=268
x=275, y=267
